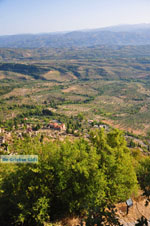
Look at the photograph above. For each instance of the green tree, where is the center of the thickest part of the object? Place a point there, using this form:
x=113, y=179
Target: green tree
x=116, y=163
x=63, y=183
x=143, y=174
x=71, y=179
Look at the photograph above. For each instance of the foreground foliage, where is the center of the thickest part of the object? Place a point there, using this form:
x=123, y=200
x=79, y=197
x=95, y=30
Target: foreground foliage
x=71, y=179
x=143, y=174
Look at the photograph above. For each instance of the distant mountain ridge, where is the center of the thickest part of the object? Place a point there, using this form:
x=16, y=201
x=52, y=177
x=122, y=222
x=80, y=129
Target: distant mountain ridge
x=127, y=28
x=115, y=35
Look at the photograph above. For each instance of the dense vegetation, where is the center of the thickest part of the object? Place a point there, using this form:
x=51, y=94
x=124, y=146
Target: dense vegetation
x=71, y=179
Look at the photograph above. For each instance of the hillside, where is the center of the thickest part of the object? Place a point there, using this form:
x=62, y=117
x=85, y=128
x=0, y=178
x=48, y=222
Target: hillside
x=119, y=35
x=106, y=83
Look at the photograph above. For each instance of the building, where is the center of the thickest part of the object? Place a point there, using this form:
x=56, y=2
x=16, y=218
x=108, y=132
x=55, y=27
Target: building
x=57, y=126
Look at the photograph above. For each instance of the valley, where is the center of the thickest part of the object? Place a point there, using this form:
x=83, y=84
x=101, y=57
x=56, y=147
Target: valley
x=103, y=87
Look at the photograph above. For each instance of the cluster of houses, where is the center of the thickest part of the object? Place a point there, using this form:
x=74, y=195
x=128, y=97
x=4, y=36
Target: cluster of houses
x=55, y=128
x=53, y=125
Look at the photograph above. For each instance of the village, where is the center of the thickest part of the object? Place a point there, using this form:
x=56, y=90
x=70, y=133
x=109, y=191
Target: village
x=55, y=129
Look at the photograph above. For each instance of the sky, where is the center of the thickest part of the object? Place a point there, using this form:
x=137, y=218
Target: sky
x=43, y=16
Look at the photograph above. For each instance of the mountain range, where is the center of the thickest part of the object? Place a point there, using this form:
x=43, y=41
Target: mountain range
x=115, y=35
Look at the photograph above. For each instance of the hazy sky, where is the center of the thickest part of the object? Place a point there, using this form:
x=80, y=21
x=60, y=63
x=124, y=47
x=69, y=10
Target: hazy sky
x=36, y=16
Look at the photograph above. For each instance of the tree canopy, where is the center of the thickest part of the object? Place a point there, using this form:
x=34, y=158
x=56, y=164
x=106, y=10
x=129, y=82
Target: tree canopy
x=72, y=178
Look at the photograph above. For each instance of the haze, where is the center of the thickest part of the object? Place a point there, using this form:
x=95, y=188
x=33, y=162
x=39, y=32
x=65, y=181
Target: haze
x=40, y=16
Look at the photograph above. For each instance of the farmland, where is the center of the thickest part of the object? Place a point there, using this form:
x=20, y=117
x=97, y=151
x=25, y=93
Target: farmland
x=104, y=83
